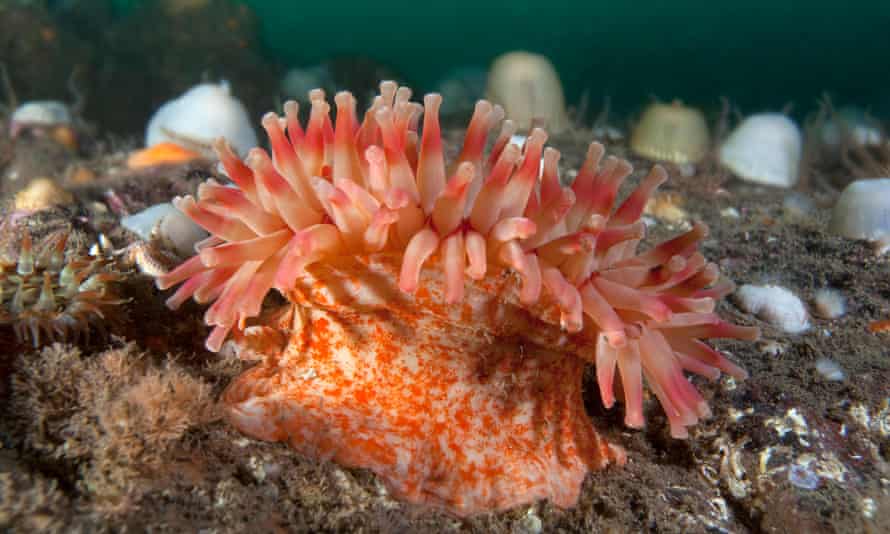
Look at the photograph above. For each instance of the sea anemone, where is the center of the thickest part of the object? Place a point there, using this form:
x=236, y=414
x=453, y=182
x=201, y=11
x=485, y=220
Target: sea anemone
x=49, y=295
x=192, y=121
x=671, y=132
x=529, y=89
x=439, y=321
x=764, y=149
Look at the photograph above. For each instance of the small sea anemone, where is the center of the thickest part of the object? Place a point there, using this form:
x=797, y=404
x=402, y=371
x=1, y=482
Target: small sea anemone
x=764, y=149
x=528, y=87
x=49, y=296
x=440, y=320
x=194, y=119
x=671, y=132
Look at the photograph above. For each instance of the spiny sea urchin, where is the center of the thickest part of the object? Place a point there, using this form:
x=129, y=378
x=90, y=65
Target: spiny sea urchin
x=459, y=384
x=48, y=295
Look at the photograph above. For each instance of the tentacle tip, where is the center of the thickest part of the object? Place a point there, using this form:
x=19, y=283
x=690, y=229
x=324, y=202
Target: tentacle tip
x=679, y=432
x=703, y=410
x=660, y=173
x=497, y=114
x=572, y=326
x=454, y=298
x=537, y=135
x=475, y=273
x=220, y=145
x=343, y=98
x=270, y=120
x=482, y=106
x=407, y=286
x=617, y=340
x=432, y=100
x=753, y=334
x=634, y=420
x=703, y=229
x=173, y=303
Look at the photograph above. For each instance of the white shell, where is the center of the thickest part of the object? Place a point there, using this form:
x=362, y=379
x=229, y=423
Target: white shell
x=199, y=116
x=765, y=148
x=42, y=113
x=863, y=210
x=167, y=224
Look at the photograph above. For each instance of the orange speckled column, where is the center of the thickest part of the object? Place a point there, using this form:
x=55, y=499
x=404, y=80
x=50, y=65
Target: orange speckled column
x=451, y=405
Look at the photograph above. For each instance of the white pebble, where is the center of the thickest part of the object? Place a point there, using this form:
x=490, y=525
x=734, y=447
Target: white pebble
x=830, y=370
x=730, y=213
x=829, y=303
x=530, y=523
x=803, y=477
x=775, y=305
x=771, y=347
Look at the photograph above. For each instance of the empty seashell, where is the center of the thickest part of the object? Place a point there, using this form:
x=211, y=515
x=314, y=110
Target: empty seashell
x=528, y=88
x=863, y=210
x=671, y=132
x=765, y=148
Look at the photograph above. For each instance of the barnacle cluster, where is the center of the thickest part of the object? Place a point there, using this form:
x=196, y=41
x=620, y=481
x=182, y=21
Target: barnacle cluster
x=49, y=295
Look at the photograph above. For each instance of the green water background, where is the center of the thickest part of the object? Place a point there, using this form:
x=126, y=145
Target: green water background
x=760, y=54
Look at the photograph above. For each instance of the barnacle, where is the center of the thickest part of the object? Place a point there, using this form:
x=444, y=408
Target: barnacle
x=48, y=295
x=422, y=296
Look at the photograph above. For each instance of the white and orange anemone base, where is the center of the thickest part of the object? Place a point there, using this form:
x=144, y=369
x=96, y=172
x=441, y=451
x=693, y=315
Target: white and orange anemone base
x=441, y=315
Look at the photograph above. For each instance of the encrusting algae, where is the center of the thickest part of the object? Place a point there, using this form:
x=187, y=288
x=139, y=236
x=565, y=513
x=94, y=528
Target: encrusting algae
x=119, y=415
x=439, y=322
